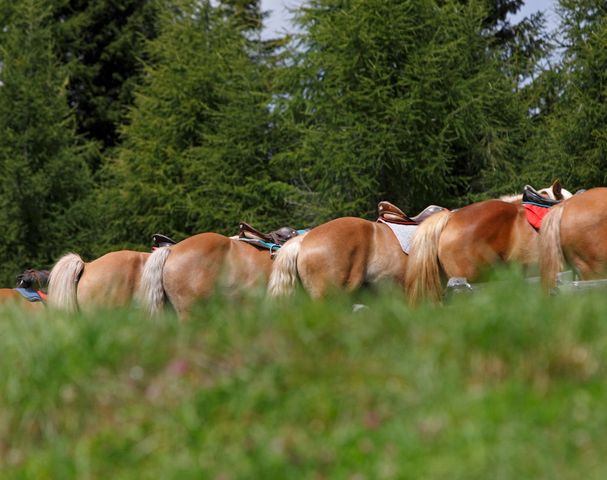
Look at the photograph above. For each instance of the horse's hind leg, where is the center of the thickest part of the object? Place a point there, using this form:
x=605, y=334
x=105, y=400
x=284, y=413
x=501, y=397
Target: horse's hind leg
x=184, y=298
x=322, y=273
x=316, y=285
x=184, y=289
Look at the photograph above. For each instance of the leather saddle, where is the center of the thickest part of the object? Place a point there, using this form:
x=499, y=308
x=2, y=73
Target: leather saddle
x=388, y=212
x=532, y=196
x=159, y=240
x=276, y=237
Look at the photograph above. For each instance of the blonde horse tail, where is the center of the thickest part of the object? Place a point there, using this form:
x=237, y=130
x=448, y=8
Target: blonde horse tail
x=551, y=252
x=151, y=291
x=423, y=279
x=284, y=270
x=63, y=282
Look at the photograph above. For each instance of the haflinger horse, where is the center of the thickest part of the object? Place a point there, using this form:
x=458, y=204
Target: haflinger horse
x=468, y=241
x=575, y=232
x=342, y=255
x=110, y=281
x=199, y=266
x=30, y=292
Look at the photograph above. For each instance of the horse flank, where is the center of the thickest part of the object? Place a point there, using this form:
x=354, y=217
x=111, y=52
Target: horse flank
x=63, y=282
x=151, y=291
x=284, y=270
x=551, y=253
x=423, y=278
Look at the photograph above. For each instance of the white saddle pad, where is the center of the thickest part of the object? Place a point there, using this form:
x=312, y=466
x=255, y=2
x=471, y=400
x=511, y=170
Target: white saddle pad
x=403, y=233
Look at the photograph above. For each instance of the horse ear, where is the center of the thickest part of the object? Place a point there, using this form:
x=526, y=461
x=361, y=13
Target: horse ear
x=556, y=189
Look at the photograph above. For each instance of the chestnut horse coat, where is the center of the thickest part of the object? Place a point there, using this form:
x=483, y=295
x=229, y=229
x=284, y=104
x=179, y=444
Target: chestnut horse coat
x=110, y=281
x=575, y=232
x=342, y=254
x=199, y=266
x=466, y=242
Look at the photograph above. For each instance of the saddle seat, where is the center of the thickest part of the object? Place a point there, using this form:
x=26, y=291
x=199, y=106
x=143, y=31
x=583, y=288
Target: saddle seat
x=277, y=237
x=388, y=212
x=160, y=240
x=536, y=206
x=532, y=197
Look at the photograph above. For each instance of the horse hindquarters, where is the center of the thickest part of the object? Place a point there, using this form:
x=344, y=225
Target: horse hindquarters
x=151, y=288
x=336, y=255
x=63, y=282
x=583, y=234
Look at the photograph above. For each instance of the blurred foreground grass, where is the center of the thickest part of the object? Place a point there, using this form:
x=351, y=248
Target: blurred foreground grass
x=503, y=384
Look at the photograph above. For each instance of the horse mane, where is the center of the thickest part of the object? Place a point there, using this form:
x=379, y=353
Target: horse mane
x=512, y=198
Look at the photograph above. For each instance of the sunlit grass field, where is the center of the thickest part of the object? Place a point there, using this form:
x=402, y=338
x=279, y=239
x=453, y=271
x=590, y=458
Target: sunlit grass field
x=507, y=383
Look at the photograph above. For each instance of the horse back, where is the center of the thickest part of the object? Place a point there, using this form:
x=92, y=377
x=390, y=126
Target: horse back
x=490, y=222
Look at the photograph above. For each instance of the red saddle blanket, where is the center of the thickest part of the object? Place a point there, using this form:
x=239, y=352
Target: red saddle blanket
x=535, y=214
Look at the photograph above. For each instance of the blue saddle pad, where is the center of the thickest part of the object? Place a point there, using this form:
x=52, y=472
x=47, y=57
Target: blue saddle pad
x=273, y=247
x=31, y=295
x=260, y=243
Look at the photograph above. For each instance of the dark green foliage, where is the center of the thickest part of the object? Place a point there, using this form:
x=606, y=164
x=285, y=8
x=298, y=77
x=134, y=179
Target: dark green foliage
x=246, y=14
x=571, y=137
x=195, y=154
x=401, y=100
x=413, y=101
x=42, y=161
x=584, y=112
x=102, y=42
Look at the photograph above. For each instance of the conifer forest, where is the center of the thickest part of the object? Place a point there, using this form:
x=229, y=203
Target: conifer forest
x=123, y=118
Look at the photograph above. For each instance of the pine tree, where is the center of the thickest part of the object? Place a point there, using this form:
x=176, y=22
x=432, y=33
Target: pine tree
x=406, y=101
x=571, y=138
x=195, y=152
x=42, y=160
x=102, y=43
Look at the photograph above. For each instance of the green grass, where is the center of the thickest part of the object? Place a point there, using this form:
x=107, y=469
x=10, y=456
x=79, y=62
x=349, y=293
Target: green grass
x=503, y=384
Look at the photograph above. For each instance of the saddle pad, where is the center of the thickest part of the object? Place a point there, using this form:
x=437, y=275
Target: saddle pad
x=403, y=233
x=535, y=214
x=31, y=295
x=273, y=247
x=389, y=219
x=260, y=243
